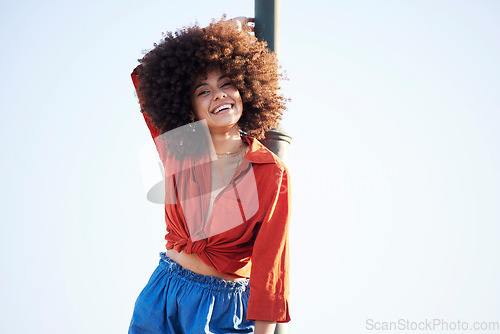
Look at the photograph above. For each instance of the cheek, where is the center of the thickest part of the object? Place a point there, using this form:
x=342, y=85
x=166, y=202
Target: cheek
x=237, y=97
x=197, y=108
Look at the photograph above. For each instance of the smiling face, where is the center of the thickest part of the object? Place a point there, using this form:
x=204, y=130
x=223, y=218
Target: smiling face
x=216, y=100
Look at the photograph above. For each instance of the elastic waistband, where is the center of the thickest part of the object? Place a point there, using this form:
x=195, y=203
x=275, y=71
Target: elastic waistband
x=203, y=281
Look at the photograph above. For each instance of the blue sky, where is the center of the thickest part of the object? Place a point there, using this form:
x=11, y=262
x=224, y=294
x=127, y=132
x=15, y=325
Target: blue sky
x=394, y=160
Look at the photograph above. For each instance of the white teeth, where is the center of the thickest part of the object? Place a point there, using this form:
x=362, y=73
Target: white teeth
x=225, y=106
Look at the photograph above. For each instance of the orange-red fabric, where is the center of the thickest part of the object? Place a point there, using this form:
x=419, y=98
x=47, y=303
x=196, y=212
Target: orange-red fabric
x=256, y=247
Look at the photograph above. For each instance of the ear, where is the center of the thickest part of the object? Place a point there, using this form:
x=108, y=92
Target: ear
x=192, y=116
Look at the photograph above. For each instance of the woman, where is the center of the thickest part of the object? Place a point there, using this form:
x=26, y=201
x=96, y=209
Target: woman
x=207, y=95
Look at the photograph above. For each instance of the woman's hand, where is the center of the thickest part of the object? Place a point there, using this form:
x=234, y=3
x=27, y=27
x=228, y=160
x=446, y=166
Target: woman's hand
x=242, y=23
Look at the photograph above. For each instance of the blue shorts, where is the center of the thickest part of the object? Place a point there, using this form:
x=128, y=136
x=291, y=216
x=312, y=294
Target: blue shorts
x=176, y=300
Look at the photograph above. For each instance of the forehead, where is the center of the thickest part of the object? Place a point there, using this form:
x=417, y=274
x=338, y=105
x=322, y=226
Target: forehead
x=214, y=73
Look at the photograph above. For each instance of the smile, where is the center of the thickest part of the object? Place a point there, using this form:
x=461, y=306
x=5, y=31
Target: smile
x=221, y=108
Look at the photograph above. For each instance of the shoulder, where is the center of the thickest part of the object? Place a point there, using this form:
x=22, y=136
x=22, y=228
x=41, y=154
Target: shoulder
x=271, y=173
x=259, y=155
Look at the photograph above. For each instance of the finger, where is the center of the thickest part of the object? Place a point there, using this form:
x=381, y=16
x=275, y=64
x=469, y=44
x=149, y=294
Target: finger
x=237, y=24
x=242, y=23
x=242, y=19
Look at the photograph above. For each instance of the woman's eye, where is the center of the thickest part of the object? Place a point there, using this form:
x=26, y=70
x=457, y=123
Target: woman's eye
x=225, y=84
x=203, y=92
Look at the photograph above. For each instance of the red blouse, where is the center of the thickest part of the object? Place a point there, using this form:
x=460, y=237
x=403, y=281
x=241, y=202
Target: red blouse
x=246, y=233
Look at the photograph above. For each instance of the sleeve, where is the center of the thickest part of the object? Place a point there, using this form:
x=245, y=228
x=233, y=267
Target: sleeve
x=269, y=278
x=167, y=194
x=155, y=132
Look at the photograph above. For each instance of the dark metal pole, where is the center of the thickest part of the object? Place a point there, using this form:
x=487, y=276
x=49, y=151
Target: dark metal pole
x=278, y=142
x=267, y=22
x=267, y=28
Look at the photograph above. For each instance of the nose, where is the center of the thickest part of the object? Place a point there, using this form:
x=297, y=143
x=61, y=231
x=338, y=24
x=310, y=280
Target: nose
x=219, y=94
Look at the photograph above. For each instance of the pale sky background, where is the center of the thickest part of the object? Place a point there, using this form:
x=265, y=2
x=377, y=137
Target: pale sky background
x=394, y=161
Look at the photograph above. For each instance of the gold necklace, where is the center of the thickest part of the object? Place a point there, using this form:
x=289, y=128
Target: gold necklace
x=232, y=154
x=238, y=156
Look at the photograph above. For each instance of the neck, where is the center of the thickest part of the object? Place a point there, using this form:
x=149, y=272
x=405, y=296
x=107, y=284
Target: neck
x=227, y=141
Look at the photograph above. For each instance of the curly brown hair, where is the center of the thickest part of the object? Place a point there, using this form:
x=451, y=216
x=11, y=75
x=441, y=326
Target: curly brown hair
x=168, y=73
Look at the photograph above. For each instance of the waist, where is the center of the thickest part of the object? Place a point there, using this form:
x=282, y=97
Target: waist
x=193, y=263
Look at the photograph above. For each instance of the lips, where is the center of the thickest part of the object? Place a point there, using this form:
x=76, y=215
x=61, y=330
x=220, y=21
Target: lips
x=222, y=108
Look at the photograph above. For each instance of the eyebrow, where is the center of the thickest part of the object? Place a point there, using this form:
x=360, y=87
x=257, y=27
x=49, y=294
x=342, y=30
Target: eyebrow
x=204, y=83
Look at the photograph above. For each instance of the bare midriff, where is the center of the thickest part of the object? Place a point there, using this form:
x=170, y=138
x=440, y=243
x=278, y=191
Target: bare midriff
x=193, y=263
